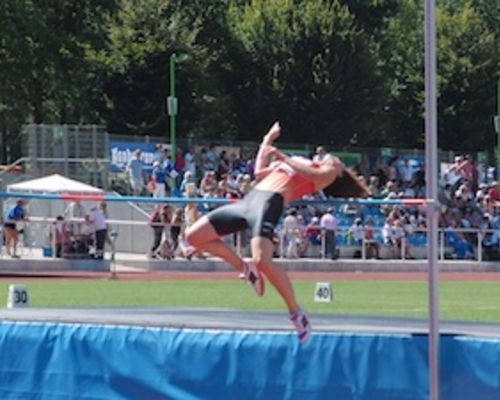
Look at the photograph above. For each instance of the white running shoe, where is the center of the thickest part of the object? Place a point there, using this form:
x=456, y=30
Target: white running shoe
x=253, y=276
x=301, y=322
x=186, y=249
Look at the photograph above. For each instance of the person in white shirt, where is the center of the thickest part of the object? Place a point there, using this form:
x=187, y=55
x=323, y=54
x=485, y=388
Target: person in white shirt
x=357, y=231
x=328, y=224
x=98, y=219
x=72, y=214
x=190, y=162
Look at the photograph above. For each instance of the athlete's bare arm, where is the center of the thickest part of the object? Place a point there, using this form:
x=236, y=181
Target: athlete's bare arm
x=322, y=176
x=266, y=149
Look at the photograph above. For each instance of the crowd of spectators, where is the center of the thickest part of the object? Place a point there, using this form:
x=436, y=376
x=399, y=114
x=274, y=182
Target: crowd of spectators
x=468, y=201
x=468, y=198
x=80, y=232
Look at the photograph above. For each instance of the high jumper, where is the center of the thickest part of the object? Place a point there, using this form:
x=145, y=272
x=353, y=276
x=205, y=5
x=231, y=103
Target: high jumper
x=280, y=180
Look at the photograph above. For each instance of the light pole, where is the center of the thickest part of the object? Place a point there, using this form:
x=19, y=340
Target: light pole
x=172, y=106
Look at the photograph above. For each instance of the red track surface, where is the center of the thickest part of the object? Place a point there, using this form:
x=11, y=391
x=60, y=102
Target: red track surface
x=302, y=275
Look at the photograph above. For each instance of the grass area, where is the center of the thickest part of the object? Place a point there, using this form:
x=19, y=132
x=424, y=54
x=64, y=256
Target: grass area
x=473, y=301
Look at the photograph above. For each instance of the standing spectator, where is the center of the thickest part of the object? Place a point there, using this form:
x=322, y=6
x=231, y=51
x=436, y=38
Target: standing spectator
x=61, y=236
x=312, y=235
x=158, y=220
x=224, y=166
x=135, y=171
x=372, y=248
x=406, y=173
x=176, y=225
x=190, y=161
x=191, y=215
x=208, y=184
x=356, y=231
x=98, y=221
x=393, y=169
x=493, y=191
x=453, y=175
x=212, y=158
x=180, y=164
x=158, y=178
x=72, y=214
x=170, y=173
x=187, y=178
x=328, y=224
x=158, y=154
x=292, y=234
x=13, y=219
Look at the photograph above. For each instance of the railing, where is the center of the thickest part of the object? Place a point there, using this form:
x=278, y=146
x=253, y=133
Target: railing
x=37, y=231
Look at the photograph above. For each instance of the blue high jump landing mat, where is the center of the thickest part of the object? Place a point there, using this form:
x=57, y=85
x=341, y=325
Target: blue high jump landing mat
x=147, y=354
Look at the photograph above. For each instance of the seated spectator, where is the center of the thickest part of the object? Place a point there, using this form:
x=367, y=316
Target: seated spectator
x=229, y=186
x=80, y=240
x=462, y=248
x=372, y=247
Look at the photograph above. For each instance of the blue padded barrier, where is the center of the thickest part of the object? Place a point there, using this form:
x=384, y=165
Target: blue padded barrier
x=75, y=361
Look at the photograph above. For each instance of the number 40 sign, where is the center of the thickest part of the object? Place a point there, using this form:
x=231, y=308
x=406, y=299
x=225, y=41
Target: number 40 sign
x=323, y=292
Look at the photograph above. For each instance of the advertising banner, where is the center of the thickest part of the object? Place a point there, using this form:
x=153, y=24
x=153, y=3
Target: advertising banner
x=120, y=154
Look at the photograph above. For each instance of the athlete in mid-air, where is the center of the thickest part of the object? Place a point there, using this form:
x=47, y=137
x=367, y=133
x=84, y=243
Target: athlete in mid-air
x=280, y=180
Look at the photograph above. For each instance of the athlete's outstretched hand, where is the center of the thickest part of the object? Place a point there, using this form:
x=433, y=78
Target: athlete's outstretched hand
x=273, y=133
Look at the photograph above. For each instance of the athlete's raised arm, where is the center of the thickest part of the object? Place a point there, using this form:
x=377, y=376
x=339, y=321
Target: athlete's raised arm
x=266, y=149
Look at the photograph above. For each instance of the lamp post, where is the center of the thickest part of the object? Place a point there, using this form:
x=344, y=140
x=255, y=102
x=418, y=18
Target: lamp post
x=172, y=105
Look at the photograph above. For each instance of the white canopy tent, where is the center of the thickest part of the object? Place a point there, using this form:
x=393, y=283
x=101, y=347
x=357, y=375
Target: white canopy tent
x=54, y=184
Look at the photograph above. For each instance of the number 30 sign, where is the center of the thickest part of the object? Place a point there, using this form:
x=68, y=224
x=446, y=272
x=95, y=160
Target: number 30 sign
x=18, y=296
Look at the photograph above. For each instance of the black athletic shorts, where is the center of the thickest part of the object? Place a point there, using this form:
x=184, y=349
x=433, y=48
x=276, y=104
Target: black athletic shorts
x=259, y=210
x=11, y=225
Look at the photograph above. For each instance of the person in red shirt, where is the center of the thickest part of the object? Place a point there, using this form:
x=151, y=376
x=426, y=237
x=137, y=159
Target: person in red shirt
x=279, y=182
x=493, y=191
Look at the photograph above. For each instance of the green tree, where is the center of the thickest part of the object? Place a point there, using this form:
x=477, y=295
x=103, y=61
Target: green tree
x=44, y=71
x=142, y=38
x=468, y=57
x=309, y=65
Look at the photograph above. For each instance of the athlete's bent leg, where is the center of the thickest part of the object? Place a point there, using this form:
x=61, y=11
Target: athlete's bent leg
x=262, y=254
x=203, y=236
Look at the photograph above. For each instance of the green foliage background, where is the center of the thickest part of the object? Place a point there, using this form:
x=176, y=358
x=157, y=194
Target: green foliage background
x=339, y=72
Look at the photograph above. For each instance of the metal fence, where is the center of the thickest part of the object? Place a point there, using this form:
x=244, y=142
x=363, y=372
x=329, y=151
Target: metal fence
x=76, y=151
